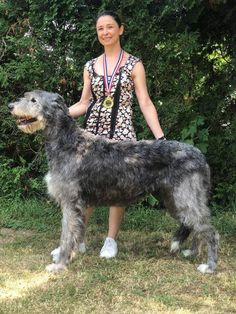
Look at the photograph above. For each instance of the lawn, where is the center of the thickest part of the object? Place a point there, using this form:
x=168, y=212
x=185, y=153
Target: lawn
x=144, y=278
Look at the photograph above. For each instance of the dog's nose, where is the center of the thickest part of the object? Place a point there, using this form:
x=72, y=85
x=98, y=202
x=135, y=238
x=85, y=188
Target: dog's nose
x=11, y=106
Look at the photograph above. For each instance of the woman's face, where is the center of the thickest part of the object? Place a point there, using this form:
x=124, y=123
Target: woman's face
x=108, y=31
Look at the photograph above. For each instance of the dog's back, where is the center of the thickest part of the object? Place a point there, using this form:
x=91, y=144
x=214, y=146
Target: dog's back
x=125, y=172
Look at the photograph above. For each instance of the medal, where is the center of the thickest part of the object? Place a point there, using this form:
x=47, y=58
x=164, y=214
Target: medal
x=109, y=102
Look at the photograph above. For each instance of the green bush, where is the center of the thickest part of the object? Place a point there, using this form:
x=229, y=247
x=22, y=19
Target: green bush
x=188, y=53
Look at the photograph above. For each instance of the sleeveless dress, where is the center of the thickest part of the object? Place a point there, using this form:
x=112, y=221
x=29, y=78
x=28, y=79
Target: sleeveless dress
x=116, y=122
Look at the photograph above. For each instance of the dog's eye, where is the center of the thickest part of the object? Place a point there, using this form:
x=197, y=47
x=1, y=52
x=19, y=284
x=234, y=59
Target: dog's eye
x=33, y=100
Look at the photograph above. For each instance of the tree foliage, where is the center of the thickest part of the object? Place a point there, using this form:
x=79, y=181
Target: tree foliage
x=188, y=50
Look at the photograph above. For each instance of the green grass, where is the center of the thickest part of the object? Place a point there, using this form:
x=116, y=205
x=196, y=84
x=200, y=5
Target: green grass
x=29, y=214
x=144, y=278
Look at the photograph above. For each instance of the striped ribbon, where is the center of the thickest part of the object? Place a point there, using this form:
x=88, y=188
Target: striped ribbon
x=107, y=82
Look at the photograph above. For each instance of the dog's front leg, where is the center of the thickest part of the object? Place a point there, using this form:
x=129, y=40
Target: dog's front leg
x=73, y=229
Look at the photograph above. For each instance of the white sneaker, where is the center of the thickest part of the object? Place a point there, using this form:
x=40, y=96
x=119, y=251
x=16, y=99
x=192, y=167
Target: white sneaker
x=109, y=249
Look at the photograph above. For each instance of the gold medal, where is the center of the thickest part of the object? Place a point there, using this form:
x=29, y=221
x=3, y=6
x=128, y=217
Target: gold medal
x=108, y=102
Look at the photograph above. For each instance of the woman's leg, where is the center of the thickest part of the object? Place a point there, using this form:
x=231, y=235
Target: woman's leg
x=109, y=248
x=116, y=215
x=87, y=215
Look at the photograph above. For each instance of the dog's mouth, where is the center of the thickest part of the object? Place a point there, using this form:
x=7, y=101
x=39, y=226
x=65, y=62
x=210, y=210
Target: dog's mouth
x=25, y=120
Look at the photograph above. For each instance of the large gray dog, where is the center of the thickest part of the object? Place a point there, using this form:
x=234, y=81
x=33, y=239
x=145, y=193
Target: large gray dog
x=88, y=170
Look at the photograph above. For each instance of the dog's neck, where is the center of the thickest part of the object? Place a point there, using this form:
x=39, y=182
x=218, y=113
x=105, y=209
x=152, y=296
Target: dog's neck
x=64, y=139
x=63, y=133
x=59, y=123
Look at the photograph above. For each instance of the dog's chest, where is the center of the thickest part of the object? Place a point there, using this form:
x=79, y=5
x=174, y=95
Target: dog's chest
x=57, y=188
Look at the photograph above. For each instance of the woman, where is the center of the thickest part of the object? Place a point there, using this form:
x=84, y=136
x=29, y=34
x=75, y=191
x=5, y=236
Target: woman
x=109, y=82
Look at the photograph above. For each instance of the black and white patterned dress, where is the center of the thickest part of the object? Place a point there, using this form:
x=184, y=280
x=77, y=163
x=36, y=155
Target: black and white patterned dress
x=115, y=123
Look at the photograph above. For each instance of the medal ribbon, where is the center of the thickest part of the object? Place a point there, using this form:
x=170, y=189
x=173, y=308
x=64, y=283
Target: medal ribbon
x=108, y=85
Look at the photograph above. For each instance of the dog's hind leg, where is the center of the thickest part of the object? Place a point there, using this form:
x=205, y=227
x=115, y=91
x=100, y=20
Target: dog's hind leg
x=203, y=232
x=187, y=202
x=194, y=249
x=207, y=232
x=73, y=230
x=183, y=232
x=179, y=237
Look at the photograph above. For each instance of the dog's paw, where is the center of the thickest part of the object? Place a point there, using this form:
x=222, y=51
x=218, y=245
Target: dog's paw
x=205, y=269
x=55, y=268
x=174, y=247
x=187, y=253
x=55, y=254
x=82, y=248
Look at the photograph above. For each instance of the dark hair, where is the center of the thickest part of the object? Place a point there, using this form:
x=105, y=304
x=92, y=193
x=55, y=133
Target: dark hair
x=112, y=14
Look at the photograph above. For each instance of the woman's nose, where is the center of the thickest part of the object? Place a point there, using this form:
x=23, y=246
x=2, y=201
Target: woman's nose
x=105, y=31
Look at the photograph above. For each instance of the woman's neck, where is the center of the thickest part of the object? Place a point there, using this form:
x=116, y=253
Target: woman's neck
x=112, y=51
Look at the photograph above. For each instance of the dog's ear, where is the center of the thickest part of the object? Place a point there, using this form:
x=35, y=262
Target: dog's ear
x=53, y=104
x=59, y=101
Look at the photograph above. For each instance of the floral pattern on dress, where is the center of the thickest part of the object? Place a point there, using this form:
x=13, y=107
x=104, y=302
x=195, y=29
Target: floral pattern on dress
x=99, y=120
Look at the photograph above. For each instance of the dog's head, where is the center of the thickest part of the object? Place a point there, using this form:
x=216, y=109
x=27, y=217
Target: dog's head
x=36, y=108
